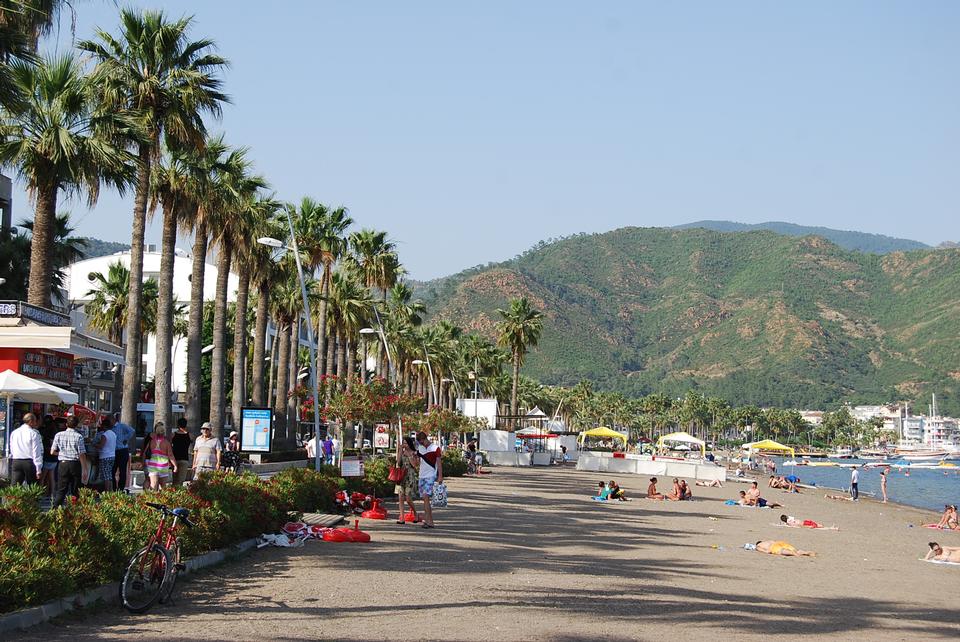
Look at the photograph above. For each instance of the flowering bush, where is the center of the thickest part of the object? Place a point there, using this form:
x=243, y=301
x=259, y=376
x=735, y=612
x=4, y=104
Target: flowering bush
x=372, y=402
x=88, y=542
x=440, y=420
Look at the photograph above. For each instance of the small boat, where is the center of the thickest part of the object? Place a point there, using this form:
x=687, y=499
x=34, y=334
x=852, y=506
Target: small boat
x=922, y=455
x=842, y=453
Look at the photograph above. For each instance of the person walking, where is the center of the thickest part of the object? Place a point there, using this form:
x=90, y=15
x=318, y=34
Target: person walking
x=407, y=488
x=181, y=451
x=26, y=452
x=883, y=483
x=855, y=483
x=71, y=455
x=159, y=460
x=106, y=445
x=431, y=473
x=328, y=450
x=206, y=451
x=121, y=460
x=48, y=476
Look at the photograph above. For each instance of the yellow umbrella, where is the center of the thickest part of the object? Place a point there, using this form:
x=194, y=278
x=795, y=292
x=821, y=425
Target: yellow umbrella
x=604, y=433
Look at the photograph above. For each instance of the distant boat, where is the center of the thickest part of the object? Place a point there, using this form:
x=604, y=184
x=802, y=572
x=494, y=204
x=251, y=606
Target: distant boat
x=922, y=455
x=842, y=452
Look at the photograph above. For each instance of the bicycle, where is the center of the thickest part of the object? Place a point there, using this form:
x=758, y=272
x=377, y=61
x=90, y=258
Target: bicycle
x=152, y=571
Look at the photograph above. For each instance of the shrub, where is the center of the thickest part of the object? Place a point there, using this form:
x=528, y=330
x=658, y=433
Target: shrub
x=375, y=472
x=454, y=465
x=86, y=543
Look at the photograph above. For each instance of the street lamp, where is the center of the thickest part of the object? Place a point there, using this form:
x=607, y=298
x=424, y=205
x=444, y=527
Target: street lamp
x=278, y=244
x=207, y=349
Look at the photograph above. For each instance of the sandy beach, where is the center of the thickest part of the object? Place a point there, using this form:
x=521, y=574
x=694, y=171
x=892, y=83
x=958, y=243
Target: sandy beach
x=524, y=554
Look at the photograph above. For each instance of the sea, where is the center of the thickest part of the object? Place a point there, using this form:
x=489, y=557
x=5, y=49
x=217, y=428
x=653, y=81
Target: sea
x=919, y=487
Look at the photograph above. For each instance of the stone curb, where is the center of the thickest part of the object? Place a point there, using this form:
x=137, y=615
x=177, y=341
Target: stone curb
x=108, y=593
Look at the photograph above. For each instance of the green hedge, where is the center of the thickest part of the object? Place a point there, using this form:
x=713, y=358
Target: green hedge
x=44, y=556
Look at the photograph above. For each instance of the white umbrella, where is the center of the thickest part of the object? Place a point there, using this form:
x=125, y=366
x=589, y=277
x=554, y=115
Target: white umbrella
x=13, y=384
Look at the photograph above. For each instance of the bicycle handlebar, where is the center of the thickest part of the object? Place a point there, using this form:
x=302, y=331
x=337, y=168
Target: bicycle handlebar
x=159, y=507
x=166, y=511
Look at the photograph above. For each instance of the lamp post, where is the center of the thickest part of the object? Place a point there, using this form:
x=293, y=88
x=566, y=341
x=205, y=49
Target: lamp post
x=391, y=372
x=275, y=243
x=433, y=391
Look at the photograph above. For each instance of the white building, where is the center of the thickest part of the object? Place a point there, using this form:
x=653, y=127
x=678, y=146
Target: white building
x=80, y=287
x=812, y=417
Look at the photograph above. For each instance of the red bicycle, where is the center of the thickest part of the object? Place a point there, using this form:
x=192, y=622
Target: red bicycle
x=153, y=570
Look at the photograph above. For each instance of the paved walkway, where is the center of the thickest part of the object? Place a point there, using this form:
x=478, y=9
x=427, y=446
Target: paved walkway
x=525, y=555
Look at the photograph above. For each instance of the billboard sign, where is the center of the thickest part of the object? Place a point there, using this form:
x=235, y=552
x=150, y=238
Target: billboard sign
x=256, y=429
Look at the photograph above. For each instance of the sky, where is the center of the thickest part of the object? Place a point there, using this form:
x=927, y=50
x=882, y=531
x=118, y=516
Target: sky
x=471, y=131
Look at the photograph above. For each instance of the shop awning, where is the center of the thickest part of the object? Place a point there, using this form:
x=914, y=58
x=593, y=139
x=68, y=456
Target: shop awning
x=603, y=433
x=13, y=384
x=61, y=338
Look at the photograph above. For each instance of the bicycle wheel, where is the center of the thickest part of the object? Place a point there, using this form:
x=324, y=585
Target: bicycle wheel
x=176, y=565
x=144, y=580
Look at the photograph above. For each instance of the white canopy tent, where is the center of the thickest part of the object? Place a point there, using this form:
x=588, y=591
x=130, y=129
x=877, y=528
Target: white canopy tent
x=682, y=438
x=15, y=385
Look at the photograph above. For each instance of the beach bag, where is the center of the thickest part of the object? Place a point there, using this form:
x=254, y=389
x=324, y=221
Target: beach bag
x=396, y=474
x=439, y=497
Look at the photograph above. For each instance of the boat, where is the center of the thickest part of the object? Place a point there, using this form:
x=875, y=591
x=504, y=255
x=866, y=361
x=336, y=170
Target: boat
x=811, y=454
x=922, y=455
x=842, y=452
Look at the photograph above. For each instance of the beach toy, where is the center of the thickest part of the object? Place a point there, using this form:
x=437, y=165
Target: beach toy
x=376, y=511
x=346, y=534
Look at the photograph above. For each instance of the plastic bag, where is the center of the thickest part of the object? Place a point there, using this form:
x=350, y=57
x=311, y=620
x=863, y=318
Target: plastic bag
x=439, y=497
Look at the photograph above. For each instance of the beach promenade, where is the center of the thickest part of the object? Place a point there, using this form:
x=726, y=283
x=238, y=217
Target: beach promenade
x=526, y=555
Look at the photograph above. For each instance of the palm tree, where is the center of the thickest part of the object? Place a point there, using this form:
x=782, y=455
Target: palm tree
x=217, y=160
x=233, y=236
x=519, y=328
x=22, y=22
x=286, y=302
x=153, y=70
x=67, y=249
x=320, y=234
x=264, y=273
x=374, y=258
x=350, y=310
x=107, y=309
x=56, y=143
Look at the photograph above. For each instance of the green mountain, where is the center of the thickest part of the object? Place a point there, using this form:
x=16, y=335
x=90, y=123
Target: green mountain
x=96, y=247
x=859, y=241
x=754, y=317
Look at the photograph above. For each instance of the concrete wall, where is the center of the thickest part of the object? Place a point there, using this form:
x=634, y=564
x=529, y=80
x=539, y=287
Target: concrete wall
x=644, y=465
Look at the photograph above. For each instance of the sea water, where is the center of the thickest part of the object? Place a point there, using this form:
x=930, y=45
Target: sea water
x=923, y=487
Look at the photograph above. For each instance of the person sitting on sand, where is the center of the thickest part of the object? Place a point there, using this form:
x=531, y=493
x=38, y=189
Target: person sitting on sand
x=775, y=482
x=782, y=548
x=949, y=518
x=603, y=493
x=685, y=492
x=753, y=498
x=943, y=553
x=675, y=494
x=804, y=523
x=790, y=483
x=716, y=483
x=652, y=490
x=616, y=492
x=843, y=497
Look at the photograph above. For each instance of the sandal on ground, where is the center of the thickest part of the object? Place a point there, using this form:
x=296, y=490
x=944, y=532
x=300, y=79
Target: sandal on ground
x=427, y=526
x=400, y=521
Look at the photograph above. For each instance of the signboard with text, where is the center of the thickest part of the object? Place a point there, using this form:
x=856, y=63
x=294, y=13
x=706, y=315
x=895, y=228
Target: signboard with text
x=46, y=365
x=256, y=428
x=351, y=467
x=381, y=436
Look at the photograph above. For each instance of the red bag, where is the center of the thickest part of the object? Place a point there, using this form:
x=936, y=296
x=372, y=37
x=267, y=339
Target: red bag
x=396, y=474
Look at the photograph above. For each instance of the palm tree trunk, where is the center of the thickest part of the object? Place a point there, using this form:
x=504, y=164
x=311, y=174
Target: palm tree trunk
x=218, y=401
x=283, y=369
x=133, y=354
x=322, y=320
x=260, y=343
x=351, y=364
x=165, y=304
x=516, y=379
x=41, y=265
x=341, y=362
x=274, y=346
x=240, y=347
x=330, y=365
x=195, y=329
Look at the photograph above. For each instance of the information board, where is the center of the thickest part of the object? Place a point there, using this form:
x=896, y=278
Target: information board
x=255, y=429
x=351, y=467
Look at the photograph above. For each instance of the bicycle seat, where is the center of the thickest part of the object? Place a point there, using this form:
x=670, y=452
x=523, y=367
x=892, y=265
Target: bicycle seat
x=182, y=513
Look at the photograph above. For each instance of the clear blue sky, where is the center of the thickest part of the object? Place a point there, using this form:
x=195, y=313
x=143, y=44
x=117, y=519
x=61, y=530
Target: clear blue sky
x=469, y=131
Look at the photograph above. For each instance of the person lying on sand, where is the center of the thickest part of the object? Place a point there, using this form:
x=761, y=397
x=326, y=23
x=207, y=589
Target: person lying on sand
x=793, y=522
x=782, y=548
x=652, y=490
x=843, y=497
x=716, y=483
x=943, y=553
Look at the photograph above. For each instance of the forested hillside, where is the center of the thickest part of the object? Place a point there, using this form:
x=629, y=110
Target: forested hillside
x=754, y=317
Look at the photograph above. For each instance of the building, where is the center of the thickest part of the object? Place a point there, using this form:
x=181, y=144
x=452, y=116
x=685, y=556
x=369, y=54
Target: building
x=42, y=344
x=812, y=417
x=81, y=287
x=939, y=432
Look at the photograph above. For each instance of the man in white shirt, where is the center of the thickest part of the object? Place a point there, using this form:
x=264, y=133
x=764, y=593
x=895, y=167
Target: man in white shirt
x=855, y=483
x=26, y=452
x=431, y=472
x=106, y=445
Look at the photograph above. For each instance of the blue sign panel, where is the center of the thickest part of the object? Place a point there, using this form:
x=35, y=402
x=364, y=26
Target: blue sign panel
x=255, y=429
